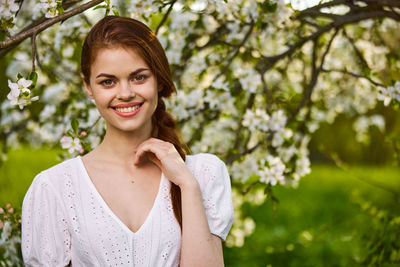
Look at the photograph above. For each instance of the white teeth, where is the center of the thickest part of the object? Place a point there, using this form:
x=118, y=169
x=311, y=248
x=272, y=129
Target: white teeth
x=130, y=109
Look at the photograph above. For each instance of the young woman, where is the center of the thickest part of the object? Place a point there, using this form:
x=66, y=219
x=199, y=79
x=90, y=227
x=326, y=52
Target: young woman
x=136, y=199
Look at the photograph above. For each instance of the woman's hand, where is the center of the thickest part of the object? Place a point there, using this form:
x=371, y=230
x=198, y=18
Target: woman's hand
x=165, y=156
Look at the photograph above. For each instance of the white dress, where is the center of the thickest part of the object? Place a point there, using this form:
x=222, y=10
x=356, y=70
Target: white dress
x=64, y=218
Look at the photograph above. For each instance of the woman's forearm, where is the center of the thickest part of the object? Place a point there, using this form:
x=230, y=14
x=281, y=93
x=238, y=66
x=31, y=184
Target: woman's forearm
x=198, y=246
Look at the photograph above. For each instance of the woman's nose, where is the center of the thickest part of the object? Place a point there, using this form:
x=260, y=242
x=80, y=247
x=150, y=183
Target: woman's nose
x=126, y=91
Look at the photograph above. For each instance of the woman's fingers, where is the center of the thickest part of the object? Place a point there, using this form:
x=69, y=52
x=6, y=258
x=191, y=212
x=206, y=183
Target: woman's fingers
x=154, y=159
x=150, y=146
x=166, y=157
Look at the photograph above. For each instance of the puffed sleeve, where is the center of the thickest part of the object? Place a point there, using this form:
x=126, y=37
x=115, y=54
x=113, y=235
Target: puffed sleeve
x=45, y=239
x=215, y=187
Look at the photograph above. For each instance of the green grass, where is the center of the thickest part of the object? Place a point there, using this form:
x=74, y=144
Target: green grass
x=317, y=224
x=18, y=171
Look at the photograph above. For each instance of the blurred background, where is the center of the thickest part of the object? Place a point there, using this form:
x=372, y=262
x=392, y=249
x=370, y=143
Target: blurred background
x=345, y=212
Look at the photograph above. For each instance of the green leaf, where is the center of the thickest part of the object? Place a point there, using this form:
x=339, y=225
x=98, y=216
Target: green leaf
x=116, y=13
x=70, y=133
x=100, y=6
x=259, y=23
x=86, y=146
x=33, y=76
x=25, y=94
x=75, y=125
x=252, y=179
x=268, y=7
x=19, y=76
x=60, y=9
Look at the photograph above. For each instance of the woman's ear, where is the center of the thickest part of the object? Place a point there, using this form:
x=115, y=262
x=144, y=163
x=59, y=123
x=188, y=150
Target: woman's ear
x=88, y=89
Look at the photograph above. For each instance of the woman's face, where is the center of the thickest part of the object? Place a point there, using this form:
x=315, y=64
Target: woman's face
x=124, y=89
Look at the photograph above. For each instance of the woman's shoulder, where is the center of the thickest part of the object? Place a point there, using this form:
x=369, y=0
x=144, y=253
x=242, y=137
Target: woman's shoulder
x=206, y=165
x=50, y=183
x=55, y=173
x=206, y=158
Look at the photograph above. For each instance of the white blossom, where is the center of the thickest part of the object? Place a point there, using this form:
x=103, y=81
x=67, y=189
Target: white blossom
x=72, y=144
x=20, y=94
x=6, y=232
x=211, y=98
x=8, y=8
x=373, y=54
x=220, y=84
x=143, y=9
x=271, y=171
x=302, y=167
x=256, y=120
x=49, y=7
x=286, y=153
x=210, y=23
x=250, y=80
x=47, y=112
x=176, y=107
x=281, y=15
x=362, y=125
x=390, y=93
x=194, y=99
x=396, y=91
x=242, y=170
x=278, y=120
x=385, y=95
x=280, y=136
x=182, y=21
x=377, y=121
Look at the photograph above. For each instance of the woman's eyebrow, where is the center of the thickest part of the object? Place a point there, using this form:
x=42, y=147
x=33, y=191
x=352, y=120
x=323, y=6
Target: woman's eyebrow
x=138, y=71
x=112, y=76
x=105, y=75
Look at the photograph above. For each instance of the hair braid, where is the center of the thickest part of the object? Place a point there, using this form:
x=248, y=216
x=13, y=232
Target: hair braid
x=164, y=128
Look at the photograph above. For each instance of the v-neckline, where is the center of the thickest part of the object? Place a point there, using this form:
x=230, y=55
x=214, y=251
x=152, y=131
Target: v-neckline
x=108, y=209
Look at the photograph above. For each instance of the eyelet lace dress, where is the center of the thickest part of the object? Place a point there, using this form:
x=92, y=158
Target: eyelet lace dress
x=65, y=219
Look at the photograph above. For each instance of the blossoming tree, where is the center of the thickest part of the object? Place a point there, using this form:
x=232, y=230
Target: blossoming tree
x=257, y=77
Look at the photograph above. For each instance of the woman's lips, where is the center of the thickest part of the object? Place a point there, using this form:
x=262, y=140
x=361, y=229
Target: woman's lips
x=127, y=113
x=127, y=105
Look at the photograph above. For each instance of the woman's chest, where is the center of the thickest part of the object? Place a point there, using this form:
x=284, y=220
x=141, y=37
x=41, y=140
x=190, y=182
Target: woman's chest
x=100, y=235
x=130, y=200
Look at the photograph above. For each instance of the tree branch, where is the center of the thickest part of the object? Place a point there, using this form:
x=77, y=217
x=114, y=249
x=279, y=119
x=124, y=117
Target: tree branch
x=164, y=19
x=306, y=11
x=231, y=159
x=355, y=75
x=65, y=5
x=268, y=62
x=245, y=38
x=249, y=105
x=33, y=39
x=360, y=56
x=44, y=25
x=308, y=92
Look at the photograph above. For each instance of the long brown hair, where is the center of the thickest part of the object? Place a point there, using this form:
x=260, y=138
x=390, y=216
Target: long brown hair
x=113, y=31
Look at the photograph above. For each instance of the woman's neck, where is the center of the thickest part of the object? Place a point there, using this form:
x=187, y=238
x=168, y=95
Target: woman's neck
x=121, y=146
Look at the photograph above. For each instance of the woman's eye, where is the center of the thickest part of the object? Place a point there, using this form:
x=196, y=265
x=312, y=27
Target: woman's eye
x=107, y=82
x=140, y=78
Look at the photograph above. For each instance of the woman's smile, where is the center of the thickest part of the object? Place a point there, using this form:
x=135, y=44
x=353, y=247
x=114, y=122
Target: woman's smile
x=126, y=94
x=128, y=109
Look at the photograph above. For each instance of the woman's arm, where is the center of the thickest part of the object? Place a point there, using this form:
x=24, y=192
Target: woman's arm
x=45, y=240
x=199, y=246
